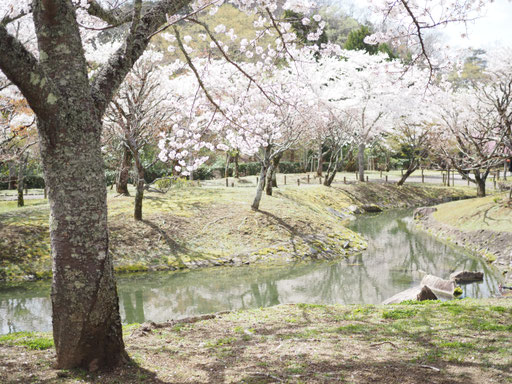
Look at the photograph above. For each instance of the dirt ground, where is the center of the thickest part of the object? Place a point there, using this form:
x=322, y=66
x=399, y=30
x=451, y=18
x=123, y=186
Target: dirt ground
x=458, y=342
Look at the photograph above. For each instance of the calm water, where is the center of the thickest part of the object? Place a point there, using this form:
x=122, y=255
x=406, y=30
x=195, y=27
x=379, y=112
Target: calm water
x=396, y=259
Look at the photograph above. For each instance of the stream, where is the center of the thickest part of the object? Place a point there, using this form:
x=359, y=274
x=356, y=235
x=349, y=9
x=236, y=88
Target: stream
x=396, y=259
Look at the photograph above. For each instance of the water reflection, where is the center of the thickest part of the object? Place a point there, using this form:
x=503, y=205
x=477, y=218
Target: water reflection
x=396, y=259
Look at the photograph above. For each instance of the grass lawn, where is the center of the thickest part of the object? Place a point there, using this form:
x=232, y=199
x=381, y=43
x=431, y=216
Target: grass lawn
x=456, y=342
x=489, y=213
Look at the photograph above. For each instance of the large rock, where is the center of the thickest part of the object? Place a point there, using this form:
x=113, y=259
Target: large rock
x=354, y=209
x=426, y=294
x=466, y=276
x=419, y=293
x=371, y=208
x=423, y=211
x=441, y=288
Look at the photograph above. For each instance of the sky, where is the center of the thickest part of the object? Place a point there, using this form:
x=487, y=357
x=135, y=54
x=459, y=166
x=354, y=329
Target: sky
x=493, y=28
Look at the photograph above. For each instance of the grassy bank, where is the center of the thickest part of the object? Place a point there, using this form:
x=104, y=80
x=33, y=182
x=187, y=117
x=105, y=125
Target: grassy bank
x=201, y=226
x=483, y=225
x=457, y=342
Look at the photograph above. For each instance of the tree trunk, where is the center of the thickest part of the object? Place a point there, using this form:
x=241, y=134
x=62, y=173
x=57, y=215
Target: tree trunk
x=228, y=161
x=480, y=179
x=480, y=186
x=21, y=179
x=265, y=163
x=271, y=175
x=330, y=178
x=413, y=166
x=86, y=323
x=319, y=167
x=139, y=194
x=334, y=164
x=259, y=189
x=237, y=166
x=360, y=161
x=124, y=172
x=12, y=175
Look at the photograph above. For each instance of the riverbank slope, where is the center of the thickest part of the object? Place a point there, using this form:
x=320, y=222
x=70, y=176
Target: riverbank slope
x=201, y=226
x=456, y=342
x=482, y=225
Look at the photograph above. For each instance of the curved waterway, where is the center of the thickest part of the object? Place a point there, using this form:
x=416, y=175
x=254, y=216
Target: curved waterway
x=396, y=259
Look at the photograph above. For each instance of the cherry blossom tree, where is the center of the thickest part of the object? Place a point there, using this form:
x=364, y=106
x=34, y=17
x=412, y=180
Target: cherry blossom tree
x=365, y=89
x=44, y=50
x=467, y=137
x=136, y=115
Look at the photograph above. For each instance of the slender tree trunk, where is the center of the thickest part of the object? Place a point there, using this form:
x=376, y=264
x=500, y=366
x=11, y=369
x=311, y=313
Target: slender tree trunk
x=413, y=166
x=228, y=161
x=334, y=164
x=86, y=322
x=319, y=168
x=265, y=163
x=21, y=179
x=124, y=172
x=360, y=161
x=259, y=189
x=139, y=194
x=191, y=176
x=330, y=178
x=237, y=166
x=12, y=175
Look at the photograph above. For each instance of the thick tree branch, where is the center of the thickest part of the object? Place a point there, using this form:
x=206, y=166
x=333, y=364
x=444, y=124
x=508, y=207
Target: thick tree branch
x=107, y=16
x=114, y=71
x=23, y=70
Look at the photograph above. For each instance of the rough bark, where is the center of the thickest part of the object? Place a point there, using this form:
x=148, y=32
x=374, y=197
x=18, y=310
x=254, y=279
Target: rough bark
x=86, y=322
x=360, y=160
x=124, y=173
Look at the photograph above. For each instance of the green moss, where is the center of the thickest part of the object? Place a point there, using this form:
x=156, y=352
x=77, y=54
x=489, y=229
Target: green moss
x=400, y=313
x=221, y=342
x=31, y=340
x=131, y=268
